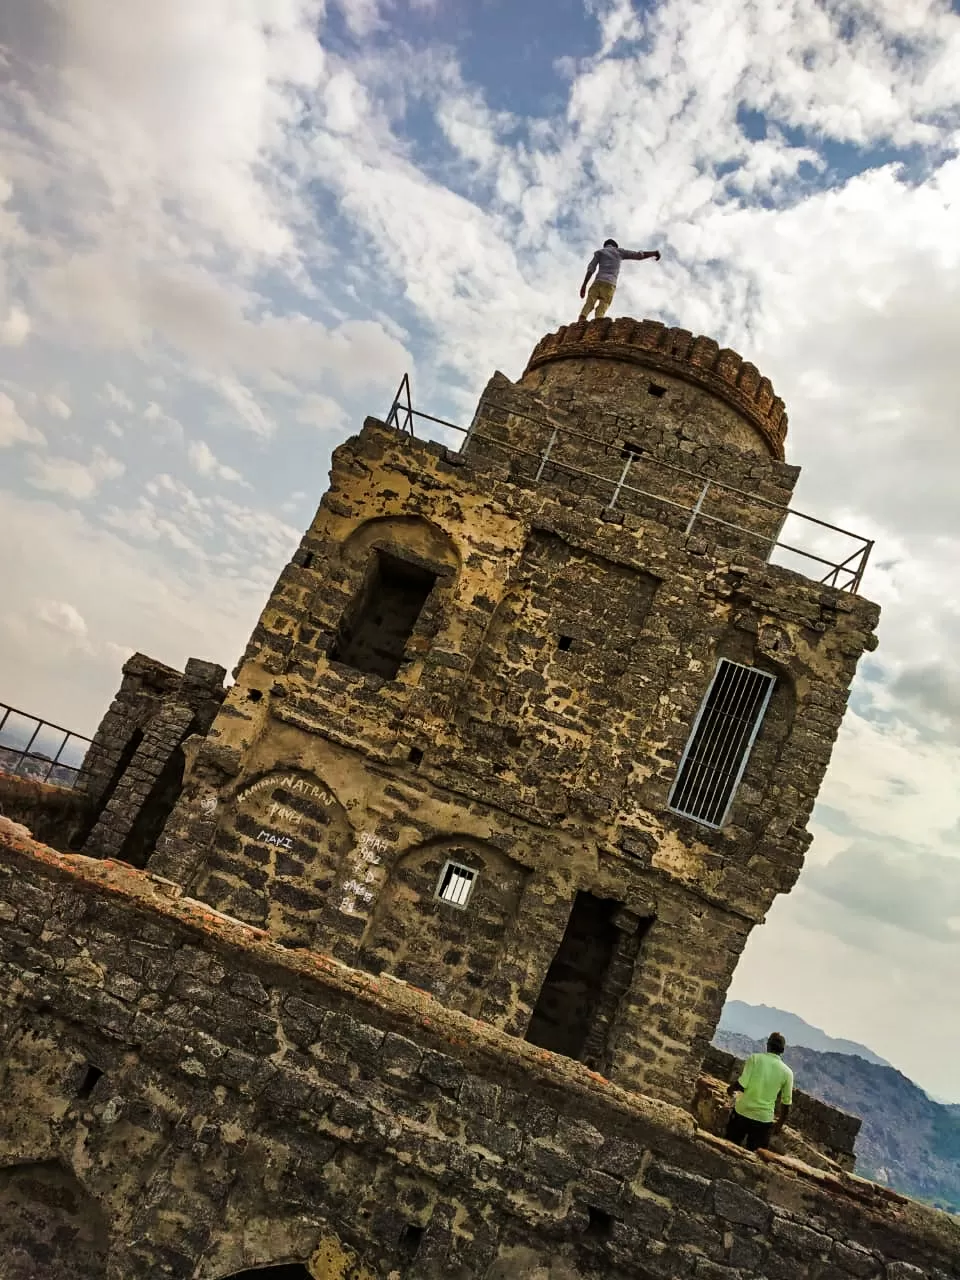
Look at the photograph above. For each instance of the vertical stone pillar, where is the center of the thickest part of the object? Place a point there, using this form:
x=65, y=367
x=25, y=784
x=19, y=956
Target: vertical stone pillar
x=134, y=790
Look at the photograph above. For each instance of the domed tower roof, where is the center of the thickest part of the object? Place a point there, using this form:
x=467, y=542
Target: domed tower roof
x=642, y=347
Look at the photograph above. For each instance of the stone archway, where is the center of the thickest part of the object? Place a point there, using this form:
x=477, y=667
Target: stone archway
x=330, y=1260
x=278, y=846
x=49, y=1225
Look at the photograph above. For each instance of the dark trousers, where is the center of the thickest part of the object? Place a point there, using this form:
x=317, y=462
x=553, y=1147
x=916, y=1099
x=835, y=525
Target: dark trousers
x=752, y=1134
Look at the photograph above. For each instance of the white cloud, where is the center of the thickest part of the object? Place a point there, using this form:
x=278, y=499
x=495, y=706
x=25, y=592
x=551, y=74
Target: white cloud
x=13, y=429
x=64, y=618
x=62, y=615
x=245, y=410
x=80, y=480
x=119, y=399
x=57, y=406
x=362, y=17
x=161, y=421
x=204, y=461
x=321, y=412
x=15, y=328
x=132, y=597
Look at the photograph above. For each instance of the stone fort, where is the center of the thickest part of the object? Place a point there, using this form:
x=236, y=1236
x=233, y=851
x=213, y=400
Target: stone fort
x=401, y=957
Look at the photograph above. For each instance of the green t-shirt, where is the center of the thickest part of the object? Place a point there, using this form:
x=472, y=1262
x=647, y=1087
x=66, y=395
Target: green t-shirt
x=765, y=1077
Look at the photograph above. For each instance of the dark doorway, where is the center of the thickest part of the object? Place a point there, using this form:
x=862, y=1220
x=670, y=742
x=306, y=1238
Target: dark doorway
x=587, y=980
x=374, y=639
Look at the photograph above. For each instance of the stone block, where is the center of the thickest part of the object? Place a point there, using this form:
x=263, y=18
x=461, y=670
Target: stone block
x=732, y=1203
x=688, y=1191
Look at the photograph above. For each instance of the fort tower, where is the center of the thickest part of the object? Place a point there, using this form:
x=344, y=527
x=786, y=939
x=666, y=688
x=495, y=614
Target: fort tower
x=535, y=726
x=418, y=979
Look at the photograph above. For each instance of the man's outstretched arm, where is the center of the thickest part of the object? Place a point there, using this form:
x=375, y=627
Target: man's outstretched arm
x=594, y=263
x=638, y=255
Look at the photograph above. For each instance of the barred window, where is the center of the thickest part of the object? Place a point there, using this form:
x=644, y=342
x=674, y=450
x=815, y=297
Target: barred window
x=455, y=884
x=719, y=747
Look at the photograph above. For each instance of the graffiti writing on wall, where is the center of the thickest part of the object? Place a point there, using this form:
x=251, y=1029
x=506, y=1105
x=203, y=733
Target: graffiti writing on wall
x=356, y=889
x=288, y=782
x=283, y=813
x=274, y=838
x=282, y=804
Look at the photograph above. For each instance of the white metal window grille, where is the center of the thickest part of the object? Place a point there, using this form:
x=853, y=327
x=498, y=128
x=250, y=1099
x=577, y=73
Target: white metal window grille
x=719, y=746
x=455, y=884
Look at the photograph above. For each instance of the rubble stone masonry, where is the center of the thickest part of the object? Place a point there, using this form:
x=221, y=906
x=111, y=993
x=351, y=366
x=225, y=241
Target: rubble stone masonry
x=535, y=725
x=183, y=1097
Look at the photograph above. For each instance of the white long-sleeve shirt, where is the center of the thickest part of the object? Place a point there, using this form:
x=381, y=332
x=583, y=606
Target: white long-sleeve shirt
x=606, y=262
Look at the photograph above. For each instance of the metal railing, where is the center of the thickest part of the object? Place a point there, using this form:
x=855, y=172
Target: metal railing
x=845, y=565
x=35, y=748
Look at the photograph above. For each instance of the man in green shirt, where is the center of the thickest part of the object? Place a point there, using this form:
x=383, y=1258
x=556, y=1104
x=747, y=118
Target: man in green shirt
x=765, y=1078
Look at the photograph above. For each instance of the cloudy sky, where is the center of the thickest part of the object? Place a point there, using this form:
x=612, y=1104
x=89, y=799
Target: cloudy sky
x=227, y=227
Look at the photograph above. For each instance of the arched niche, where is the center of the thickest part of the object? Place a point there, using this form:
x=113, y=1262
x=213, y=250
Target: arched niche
x=413, y=536
x=329, y=1257
x=276, y=852
x=49, y=1225
x=398, y=566
x=447, y=947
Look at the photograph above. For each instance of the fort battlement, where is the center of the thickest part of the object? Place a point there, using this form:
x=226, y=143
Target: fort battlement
x=677, y=352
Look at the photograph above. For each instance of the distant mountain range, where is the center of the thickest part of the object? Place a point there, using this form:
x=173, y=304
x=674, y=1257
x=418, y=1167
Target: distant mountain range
x=756, y=1021
x=907, y=1141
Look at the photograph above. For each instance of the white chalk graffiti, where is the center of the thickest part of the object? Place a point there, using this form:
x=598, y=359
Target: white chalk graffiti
x=365, y=861
x=274, y=838
x=289, y=782
x=283, y=813
x=208, y=805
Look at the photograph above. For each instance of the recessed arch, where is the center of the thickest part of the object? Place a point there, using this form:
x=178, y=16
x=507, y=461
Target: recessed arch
x=50, y=1225
x=250, y=1244
x=414, y=536
x=399, y=566
x=278, y=847
x=445, y=947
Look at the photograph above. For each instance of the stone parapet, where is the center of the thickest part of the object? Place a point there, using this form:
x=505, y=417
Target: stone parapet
x=678, y=352
x=218, y=1103
x=827, y=1128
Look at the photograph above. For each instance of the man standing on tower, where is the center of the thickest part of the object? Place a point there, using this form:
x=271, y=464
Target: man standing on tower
x=606, y=263
x=764, y=1080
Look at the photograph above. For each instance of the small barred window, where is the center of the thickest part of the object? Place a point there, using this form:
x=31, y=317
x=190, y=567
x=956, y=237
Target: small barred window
x=455, y=884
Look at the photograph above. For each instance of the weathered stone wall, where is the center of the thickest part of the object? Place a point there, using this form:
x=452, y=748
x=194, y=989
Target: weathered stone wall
x=650, y=458
x=735, y=387
x=53, y=814
x=226, y=1104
